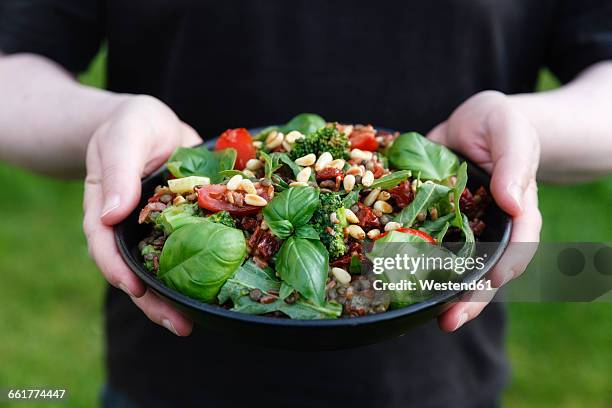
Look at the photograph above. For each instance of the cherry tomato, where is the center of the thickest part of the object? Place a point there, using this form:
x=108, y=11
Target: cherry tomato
x=363, y=141
x=241, y=140
x=420, y=234
x=213, y=198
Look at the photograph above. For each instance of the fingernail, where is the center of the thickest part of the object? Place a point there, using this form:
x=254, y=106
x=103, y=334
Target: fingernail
x=168, y=325
x=125, y=289
x=516, y=192
x=110, y=204
x=462, y=319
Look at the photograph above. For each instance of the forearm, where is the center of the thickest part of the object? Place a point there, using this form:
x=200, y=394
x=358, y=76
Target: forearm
x=574, y=124
x=46, y=116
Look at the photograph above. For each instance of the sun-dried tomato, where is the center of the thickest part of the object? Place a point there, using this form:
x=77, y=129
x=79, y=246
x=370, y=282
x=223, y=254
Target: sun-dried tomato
x=477, y=226
x=329, y=173
x=263, y=244
x=366, y=216
x=402, y=194
x=378, y=171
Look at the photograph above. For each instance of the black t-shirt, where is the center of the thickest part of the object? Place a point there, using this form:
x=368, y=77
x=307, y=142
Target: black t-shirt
x=398, y=64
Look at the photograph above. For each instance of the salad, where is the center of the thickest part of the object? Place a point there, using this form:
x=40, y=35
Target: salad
x=279, y=223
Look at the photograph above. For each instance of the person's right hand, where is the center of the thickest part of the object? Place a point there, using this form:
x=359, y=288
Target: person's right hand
x=135, y=140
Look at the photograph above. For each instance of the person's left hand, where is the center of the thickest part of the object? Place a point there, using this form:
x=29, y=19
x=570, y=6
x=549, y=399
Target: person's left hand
x=495, y=136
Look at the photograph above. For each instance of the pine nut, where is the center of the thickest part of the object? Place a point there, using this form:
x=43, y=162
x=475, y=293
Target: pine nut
x=383, y=207
x=371, y=198
x=415, y=184
x=355, y=171
x=286, y=146
x=229, y=195
x=248, y=173
x=178, y=200
x=254, y=199
x=254, y=164
x=373, y=233
x=247, y=185
x=421, y=216
x=336, y=164
x=392, y=226
x=323, y=160
x=271, y=136
x=356, y=231
x=298, y=184
x=333, y=218
x=384, y=196
x=433, y=213
x=264, y=225
x=304, y=175
x=368, y=179
x=275, y=142
x=351, y=217
x=293, y=136
x=341, y=275
x=257, y=144
x=358, y=154
x=348, y=129
x=307, y=160
x=349, y=182
x=234, y=182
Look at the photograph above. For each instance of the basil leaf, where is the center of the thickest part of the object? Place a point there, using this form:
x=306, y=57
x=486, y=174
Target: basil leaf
x=391, y=180
x=458, y=190
x=295, y=205
x=284, y=158
x=303, y=264
x=197, y=259
x=227, y=158
x=176, y=216
x=285, y=291
x=306, y=231
x=412, y=151
x=305, y=123
x=427, y=195
x=196, y=161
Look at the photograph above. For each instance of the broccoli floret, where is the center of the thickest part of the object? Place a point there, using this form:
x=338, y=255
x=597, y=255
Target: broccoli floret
x=334, y=242
x=326, y=139
x=224, y=218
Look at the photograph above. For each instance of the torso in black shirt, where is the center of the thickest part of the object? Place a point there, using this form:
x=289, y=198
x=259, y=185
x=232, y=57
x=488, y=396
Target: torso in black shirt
x=399, y=64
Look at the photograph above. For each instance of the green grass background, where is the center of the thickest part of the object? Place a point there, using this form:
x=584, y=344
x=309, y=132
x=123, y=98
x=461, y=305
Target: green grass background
x=51, y=297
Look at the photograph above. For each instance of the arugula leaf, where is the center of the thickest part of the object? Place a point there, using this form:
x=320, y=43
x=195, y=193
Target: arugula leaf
x=231, y=173
x=305, y=123
x=470, y=242
x=303, y=264
x=458, y=190
x=291, y=209
x=442, y=233
x=351, y=198
x=285, y=159
x=427, y=195
x=391, y=180
x=412, y=151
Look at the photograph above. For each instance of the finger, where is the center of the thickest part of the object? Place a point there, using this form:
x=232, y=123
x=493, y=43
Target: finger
x=439, y=133
x=163, y=314
x=102, y=247
x=121, y=154
x=515, y=152
x=464, y=311
x=526, y=229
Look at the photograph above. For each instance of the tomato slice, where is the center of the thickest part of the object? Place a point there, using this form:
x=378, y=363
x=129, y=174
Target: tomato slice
x=241, y=140
x=363, y=141
x=423, y=235
x=212, y=197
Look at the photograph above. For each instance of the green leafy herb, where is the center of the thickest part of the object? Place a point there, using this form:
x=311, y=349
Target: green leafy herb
x=458, y=190
x=176, y=216
x=303, y=264
x=199, y=161
x=291, y=209
x=197, y=259
x=305, y=123
x=306, y=231
x=427, y=195
x=412, y=151
x=391, y=180
x=351, y=198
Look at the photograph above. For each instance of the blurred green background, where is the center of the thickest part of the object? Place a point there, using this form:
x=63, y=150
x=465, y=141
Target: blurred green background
x=51, y=321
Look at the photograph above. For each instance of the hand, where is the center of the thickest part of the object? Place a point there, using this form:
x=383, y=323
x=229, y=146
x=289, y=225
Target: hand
x=496, y=137
x=139, y=136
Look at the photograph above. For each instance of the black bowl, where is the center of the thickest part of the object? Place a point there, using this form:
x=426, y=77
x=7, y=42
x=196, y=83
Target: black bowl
x=307, y=334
